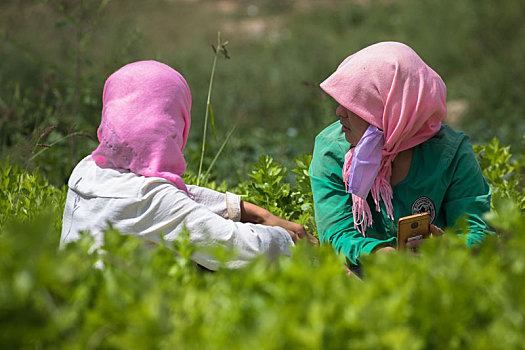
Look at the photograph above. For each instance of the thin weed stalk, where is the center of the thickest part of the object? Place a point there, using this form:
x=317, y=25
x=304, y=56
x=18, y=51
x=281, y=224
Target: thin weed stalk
x=207, y=173
x=221, y=48
x=38, y=144
x=42, y=148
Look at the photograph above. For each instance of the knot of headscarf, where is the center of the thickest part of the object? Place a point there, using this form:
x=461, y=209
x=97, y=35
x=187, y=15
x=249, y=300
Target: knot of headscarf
x=145, y=121
x=389, y=86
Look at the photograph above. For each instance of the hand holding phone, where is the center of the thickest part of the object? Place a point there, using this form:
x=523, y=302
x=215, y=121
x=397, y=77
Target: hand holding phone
x=413, y=227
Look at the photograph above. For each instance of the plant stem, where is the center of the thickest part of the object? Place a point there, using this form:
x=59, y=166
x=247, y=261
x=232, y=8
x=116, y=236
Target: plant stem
x=208, y=106
x=77, y=76
x=76, y=133
x=219, y=152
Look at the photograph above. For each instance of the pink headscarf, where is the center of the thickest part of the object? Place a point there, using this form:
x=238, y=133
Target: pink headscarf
x=389, y=86
x=145, y=121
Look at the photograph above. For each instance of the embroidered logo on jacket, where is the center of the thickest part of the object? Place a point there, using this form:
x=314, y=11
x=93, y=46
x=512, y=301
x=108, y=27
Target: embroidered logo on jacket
x=424, y=205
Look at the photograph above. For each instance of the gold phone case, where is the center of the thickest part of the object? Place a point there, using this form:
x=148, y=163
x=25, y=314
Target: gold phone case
x=412, y=226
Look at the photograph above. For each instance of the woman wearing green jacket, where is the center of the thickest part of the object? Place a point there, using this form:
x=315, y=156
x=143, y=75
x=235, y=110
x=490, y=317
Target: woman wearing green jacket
x=389, y=155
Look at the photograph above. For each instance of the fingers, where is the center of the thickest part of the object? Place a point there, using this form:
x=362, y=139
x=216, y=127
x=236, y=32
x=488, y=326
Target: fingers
x=295, y=230
x=436, y=231
x=302, y=233
x=414, y=243
x=312, y=239
x=293, y=235
x=299, y=232
x=386, y=250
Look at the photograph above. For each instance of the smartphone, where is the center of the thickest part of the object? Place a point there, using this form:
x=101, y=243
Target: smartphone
x=411, y=228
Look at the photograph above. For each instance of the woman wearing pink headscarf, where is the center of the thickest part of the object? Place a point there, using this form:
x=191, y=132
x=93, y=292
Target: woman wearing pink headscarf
x=390, y=156
x=133, y=179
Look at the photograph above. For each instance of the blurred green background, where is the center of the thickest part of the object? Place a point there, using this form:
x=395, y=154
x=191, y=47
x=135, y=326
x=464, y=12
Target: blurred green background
x=56, y=55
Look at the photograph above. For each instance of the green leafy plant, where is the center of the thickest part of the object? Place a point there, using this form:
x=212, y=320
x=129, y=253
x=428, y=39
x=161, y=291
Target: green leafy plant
x=503, y=171
x=268, y=187
x=25, y=193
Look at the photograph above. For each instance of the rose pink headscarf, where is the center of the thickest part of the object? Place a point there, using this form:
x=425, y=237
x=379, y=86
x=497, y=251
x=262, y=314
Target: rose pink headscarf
x=145, y=121
x=389, y=86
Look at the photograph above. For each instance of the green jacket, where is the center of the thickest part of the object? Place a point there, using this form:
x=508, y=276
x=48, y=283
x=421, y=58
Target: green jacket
x=444, y=179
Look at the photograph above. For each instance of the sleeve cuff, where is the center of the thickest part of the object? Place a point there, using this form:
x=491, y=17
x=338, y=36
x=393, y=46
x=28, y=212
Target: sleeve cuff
x=233, y=206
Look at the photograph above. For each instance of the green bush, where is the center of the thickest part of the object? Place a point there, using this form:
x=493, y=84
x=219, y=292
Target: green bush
x=504, y=172
x=24, y=194
x=268, y=189
x=449, y=297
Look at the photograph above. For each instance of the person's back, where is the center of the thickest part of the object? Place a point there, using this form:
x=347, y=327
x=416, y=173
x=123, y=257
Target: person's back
x=133, y=179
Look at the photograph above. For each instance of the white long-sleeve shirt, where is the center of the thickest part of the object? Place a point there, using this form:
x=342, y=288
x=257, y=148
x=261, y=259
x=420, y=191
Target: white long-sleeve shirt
x=150, y=206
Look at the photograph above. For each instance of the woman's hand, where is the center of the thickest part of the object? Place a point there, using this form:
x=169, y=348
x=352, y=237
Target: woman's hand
x=295, y=230
x=413, y=245
x=434, y=232
x=255, y=214
x=385, y=250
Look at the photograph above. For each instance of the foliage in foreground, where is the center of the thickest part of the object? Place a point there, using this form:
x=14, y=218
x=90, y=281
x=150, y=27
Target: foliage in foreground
x=449, y=297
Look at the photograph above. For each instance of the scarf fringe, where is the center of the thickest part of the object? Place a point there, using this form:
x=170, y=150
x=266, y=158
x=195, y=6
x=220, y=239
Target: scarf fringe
x=362, y=214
